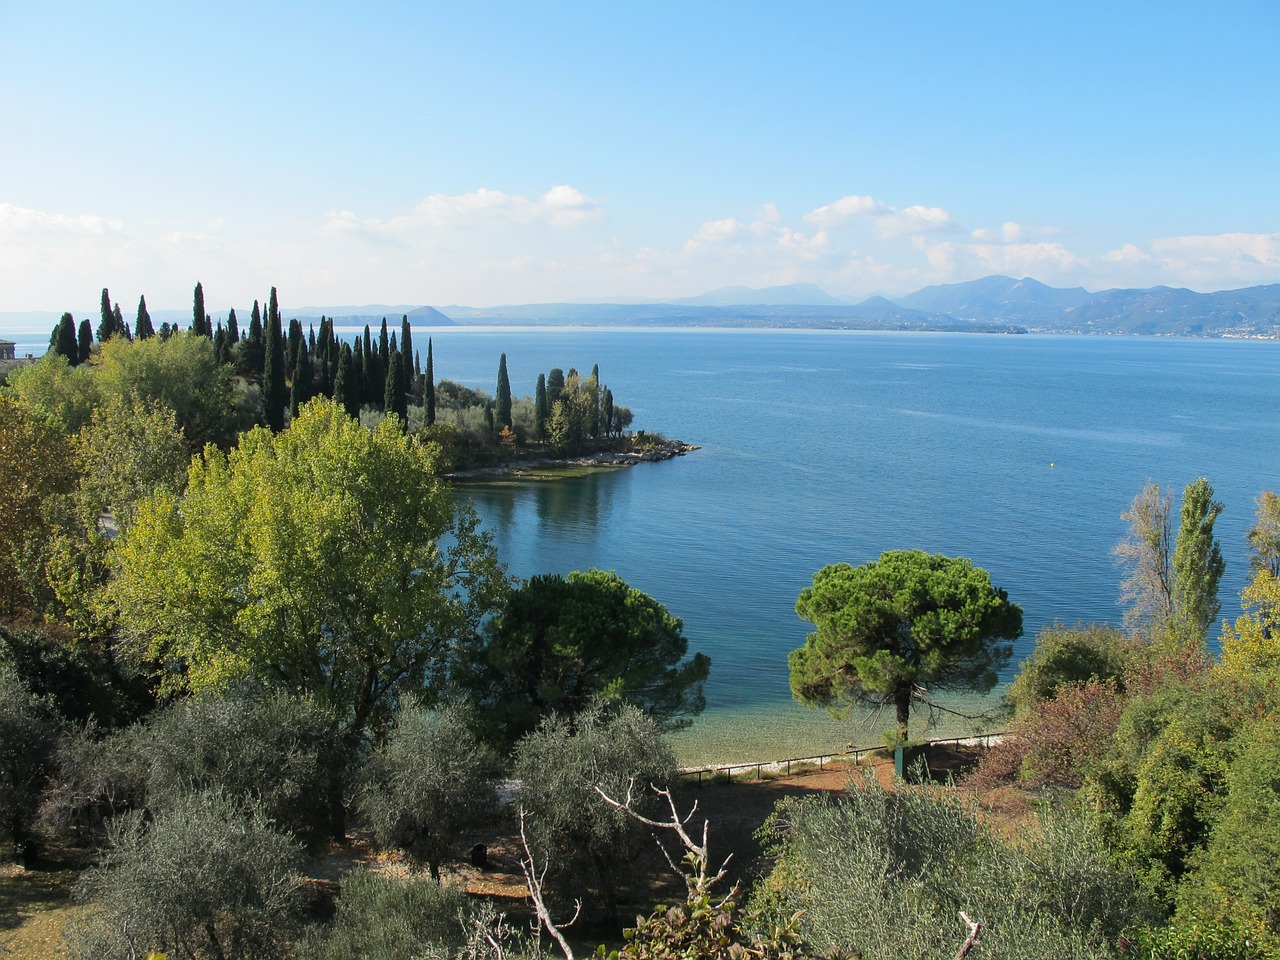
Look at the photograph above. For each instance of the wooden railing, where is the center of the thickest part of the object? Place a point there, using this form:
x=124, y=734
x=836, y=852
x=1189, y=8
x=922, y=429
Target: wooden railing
x=784, y=767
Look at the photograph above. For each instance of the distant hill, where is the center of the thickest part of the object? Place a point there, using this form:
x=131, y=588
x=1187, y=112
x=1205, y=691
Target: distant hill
x=993, y=304
x=1156, y=311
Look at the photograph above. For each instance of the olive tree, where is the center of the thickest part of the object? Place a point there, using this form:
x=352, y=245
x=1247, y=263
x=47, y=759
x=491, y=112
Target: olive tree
x=893, y=631
x=200, y=880
x=427, y=782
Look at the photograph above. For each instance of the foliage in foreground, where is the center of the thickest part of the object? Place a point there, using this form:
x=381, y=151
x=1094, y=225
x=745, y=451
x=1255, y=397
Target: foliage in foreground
x=202, y=880
x=886, y=874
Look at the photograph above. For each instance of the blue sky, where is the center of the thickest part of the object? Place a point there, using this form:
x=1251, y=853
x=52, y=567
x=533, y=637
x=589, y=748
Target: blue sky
x=487, y=153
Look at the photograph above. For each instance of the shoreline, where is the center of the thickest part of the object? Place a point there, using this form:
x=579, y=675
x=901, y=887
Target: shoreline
x=555, y=468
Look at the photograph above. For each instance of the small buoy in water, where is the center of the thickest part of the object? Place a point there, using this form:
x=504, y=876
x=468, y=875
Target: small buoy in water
x=1052, y=464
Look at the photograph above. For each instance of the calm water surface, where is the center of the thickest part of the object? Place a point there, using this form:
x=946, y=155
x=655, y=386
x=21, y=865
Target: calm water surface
x=1018, y=452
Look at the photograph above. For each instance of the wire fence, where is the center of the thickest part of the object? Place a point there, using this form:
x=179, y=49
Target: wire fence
x=851, y=753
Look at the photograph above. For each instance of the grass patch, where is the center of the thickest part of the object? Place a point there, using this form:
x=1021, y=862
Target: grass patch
x=34, y=907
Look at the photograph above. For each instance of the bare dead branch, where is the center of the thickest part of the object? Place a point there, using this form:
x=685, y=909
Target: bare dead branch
x=974, y=927
x=533, y=880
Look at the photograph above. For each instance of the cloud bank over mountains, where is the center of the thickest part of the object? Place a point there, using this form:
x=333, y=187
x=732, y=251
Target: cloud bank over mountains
x=490, y=246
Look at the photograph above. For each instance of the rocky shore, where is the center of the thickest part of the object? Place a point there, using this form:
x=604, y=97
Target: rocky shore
x=544, y=467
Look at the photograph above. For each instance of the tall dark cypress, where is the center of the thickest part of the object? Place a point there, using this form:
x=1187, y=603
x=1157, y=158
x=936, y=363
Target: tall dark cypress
x=107, y=324
x=117, y=319
x=406, y=351
x=84, y=342
x=274, y=391
x=300, y=389
x=541, y=410
x=429, y=387
x=197, y=312
x=142, y=327
x=221, y=346
x=63, y=340
x=233, y=327
x=356, y=375
x=345, y=391
x=606, y=411
x=503, y=395
x=296, y=339
x=393, y=399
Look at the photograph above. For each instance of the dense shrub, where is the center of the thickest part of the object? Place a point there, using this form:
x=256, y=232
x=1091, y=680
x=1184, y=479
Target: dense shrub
x=28, y=727
x=886, y=874
x=392, y=918
x=581, y=839
x=427, y=782
x=1065, y=655
x=201, y=880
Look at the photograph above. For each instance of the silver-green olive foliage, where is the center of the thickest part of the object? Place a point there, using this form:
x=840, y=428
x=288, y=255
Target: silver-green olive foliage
x=895, y=630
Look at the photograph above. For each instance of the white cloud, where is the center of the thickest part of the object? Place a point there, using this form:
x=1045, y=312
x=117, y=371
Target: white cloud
x=889, y=221
x=17, y=221
x=561, y=206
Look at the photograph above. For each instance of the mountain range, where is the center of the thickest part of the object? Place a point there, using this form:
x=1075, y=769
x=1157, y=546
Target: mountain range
x=993, y=304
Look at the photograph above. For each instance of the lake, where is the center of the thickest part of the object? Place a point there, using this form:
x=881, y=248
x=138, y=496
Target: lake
x=1019, y=452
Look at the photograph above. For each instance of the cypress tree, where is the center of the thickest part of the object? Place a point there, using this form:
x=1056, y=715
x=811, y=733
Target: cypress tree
x=251, y=356
x=300, y=390
x=354, y=376
x=406, y=352
x=606, y=411
x=107, y=323
x=384, y=348
x=540, y=408
x=273, y=377
x=503, y=395
x=393, y=399
x=221, y=348
x=85, y=340
x=344, y=391
x=197, y=312
x=311, y=336
x=296, y=339
x=233, y=328
x=429, y=387
x=64, y=341
x=142, y=327
x=118, y=320
x=555, y=386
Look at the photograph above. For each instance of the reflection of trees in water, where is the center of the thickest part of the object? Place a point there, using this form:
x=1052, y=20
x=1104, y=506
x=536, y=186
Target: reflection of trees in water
x=569, y=504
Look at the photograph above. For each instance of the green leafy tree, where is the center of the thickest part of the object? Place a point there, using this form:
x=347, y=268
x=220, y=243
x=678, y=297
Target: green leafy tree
x=328, y=560
x=35, y=464
x=884, y=874
x=1171, y=585
x=126, y=453
x=562, y=642
x=892, y=631
x=393, y=918
x=1197, y=560
x=1264, y=535
x=181, y=374
x=428, y=782
x=1065, y=655
x=56, y=393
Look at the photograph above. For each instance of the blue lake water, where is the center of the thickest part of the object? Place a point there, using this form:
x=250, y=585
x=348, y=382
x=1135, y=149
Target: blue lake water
x=1019, y=452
